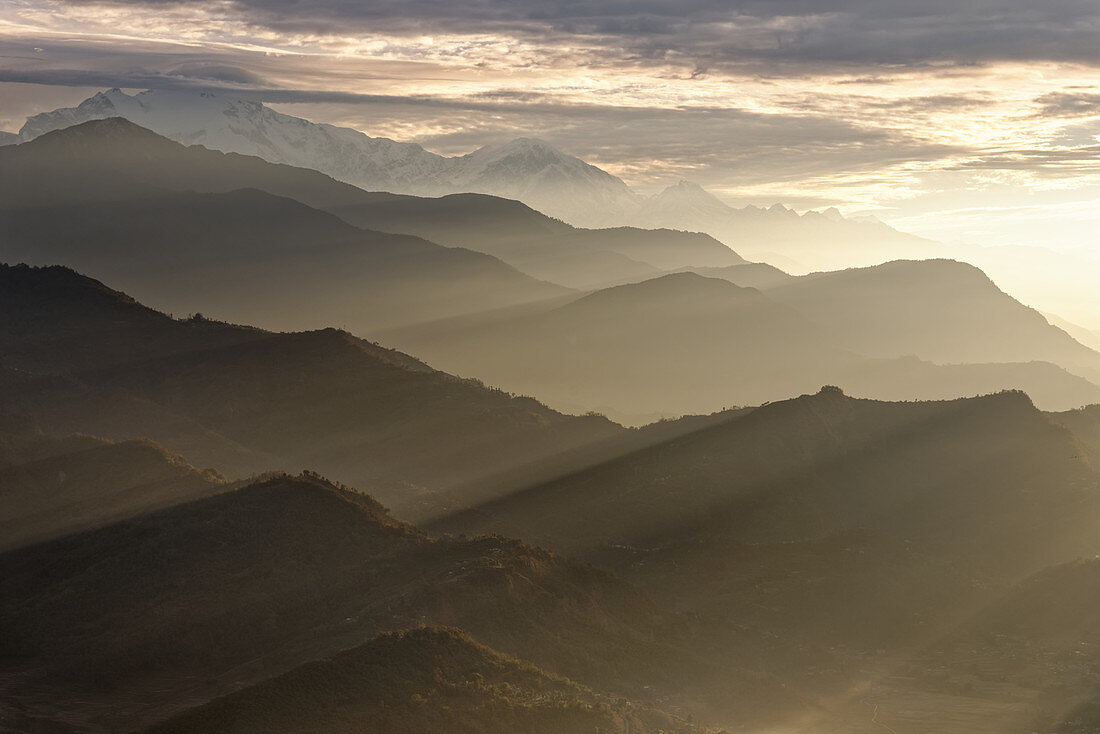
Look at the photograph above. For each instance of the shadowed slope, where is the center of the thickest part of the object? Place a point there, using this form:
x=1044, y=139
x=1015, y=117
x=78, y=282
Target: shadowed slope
x=56, y=320
x=421, y=681
x=66, y=491
x=175, y=606
x=249, y=256
x=321, y=398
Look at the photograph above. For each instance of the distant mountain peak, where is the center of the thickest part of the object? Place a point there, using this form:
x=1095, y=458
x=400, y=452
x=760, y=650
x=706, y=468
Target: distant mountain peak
x=527, y=169
x=658, y=293
x=687, y=199
x=524, y=143
x=529, y=152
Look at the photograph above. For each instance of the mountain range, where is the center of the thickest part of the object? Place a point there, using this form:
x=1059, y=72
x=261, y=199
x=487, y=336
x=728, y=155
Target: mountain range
x=858, y=525
x=56, y=208
x=750, y=568
x=567, y=188
x=785, y=557
x=685, y=343
x=251, y=247
x=238, y=399
x=289, y=569
x=525, y=169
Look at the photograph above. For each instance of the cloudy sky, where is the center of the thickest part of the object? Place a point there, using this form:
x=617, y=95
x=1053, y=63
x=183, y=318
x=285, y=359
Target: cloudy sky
x=974, y=121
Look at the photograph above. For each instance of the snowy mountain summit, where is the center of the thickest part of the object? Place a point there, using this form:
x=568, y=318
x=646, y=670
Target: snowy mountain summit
x=530, y=170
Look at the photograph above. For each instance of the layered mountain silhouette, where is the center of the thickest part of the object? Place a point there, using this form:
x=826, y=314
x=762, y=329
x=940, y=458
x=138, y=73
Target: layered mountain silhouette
x=423, y=680
x=852, y=522
x=538, y=245
x=243, y=401
x=71, y=177
x=910, y=560
x=941, y=310
x=525, y=168
x=565, y=187
x=138, y=619
x=236, y=253
x=684, y=343
x=780, y=236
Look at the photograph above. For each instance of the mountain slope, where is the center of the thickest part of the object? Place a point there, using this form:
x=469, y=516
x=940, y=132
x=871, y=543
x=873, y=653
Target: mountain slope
x=113, y=160
x=684, y=343
x=133, y=621
x=545, y=178
x=239, y=255
x=895, y=534
x=536, y=244
x=748, y=275
x=678, y=343
x=852, y=522
x=244, y=400
x=56, y=320
x=940, y=310
x=89, y=486
x=423, y=680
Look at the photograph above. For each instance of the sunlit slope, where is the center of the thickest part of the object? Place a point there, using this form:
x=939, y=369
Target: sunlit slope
x=684, y=343
x=856, y=521
x=940, y=310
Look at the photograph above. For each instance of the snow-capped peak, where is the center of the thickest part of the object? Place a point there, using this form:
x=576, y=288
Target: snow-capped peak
x=689, y=196
x=526, y=168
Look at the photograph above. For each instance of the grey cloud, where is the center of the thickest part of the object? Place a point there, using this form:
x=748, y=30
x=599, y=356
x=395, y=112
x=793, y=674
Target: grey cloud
x=1069, y=104
x=1046, y=162
x=223, y=73
x=713, y=34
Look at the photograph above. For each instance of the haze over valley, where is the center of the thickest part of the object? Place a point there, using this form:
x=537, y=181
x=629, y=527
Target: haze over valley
x=487, y=368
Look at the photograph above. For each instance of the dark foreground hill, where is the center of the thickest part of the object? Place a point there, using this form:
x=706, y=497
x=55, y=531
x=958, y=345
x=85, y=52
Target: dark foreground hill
x=423, y=681
x=127, y=624
x=57, y=321
x=83, y=358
